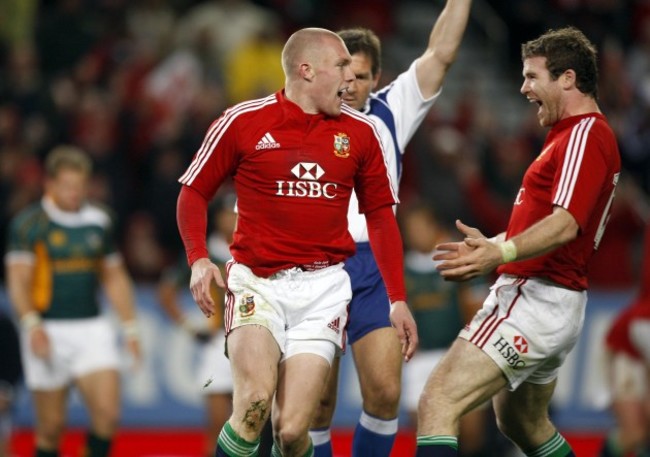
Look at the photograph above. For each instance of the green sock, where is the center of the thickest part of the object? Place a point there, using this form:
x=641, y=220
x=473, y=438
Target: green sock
x=96, y=446
x=236, y=446
x=438, y=440
x=557, y=446
x=310, y=450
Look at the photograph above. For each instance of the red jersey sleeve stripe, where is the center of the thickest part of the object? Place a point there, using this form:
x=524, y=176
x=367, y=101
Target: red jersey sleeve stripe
x=572, y=162
x=216, y=131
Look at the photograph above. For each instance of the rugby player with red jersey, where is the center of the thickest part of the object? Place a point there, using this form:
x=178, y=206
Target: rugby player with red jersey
x=628, y=349
x=294, y=158
x=513, y=348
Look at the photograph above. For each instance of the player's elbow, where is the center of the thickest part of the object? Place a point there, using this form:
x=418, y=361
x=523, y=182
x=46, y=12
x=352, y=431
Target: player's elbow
x=566, y=227
x=569, y=231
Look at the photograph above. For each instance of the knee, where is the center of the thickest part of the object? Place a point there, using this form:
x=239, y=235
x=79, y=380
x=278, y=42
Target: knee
x=49, y=432
x=106, y=418
x=382, y=400
x=524, y=430
x=324, y=413
x=290, y=437
x=255, y=409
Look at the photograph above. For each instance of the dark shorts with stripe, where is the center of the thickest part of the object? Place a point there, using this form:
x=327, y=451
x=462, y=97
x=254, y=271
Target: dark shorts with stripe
x=369, y=307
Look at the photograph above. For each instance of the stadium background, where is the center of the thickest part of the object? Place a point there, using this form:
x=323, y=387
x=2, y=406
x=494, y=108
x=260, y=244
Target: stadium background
x=136, y=82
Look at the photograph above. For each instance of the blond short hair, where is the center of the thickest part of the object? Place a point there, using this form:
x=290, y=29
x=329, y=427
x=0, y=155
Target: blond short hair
x=67, y=157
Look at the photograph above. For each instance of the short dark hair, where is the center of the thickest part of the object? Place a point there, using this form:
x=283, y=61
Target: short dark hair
x=365, y=41
x=564, y=49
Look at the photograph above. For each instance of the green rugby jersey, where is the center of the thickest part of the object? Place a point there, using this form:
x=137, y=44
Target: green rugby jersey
x=435, y=303
x=67, y=250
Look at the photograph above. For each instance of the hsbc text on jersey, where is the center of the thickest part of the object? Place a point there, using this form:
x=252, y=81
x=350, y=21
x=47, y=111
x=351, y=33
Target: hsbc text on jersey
x=309, y=173
x=307, y=189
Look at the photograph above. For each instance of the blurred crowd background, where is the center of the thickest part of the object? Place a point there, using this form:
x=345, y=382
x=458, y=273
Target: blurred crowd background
x=137, y=82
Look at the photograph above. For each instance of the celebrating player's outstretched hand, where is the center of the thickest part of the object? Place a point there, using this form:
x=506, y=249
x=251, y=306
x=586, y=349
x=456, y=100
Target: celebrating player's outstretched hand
x=463, y=260
x=407, y=332
x=203, y=273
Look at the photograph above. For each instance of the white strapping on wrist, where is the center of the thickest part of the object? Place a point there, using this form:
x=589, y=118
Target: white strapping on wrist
x=508, y=251
x=130, y=329
x=30, y=320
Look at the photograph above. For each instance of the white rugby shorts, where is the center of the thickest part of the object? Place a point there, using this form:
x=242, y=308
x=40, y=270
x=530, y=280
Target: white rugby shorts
x=294, y=305
x=77, y=347
x=626, y=377
x=214, y=370
x=528, y=326
x=640, y=336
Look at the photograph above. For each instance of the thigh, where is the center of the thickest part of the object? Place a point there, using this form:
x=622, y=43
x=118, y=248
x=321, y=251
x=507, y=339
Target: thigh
x=50, y=407
x=325, y=412
x=415, y=375
x=378, y=359
x=464, y=379
x=254, y=356
x=100, y=391
x=301, y=381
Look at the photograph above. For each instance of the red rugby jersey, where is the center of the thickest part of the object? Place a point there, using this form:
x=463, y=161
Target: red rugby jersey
x=577, y=169
x=618, y=335
x=293, y=174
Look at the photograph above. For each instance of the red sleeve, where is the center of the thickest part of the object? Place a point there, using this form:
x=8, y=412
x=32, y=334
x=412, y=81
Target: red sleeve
x=586, y=170
x=386, y=243
x=192, y=220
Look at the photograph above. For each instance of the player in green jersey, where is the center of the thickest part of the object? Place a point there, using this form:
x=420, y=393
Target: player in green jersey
x=60, y=252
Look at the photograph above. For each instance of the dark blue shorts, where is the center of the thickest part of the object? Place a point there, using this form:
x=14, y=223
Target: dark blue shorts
x=369, y=307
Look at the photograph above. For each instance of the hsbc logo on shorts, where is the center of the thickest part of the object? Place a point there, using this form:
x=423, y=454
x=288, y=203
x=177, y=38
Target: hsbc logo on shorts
x=307, y=185
x=510, y=353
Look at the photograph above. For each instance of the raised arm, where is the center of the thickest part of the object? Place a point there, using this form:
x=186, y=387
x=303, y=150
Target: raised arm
x=444, y=41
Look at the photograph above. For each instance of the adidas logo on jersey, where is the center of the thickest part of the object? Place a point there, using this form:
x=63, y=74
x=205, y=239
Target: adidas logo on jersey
x=334, y=325
x=267, y=142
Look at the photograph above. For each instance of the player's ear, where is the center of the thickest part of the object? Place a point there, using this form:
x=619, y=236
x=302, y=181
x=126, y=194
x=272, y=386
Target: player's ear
x=568, y=79
x=306, y=71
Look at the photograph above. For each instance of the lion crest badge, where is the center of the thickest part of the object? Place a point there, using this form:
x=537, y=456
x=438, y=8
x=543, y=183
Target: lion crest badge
x=342, y=145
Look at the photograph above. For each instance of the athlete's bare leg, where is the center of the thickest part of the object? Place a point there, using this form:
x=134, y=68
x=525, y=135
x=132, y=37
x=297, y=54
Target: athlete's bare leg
x=327, y=405
x=378, y=359
x=301, y=382
x=101, y=394
x=522, y=415
x=254, y=356
x=51, y=414
x=100, y=391
x=464, y=379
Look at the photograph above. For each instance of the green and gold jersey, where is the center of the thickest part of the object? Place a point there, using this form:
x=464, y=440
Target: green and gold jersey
x=66, y=250
x=436, y=303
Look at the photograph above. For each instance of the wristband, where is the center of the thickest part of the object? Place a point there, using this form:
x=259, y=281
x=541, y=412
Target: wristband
x=30, y=320
x=508, y=251
x=131, y=330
